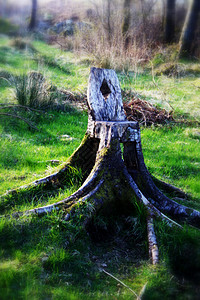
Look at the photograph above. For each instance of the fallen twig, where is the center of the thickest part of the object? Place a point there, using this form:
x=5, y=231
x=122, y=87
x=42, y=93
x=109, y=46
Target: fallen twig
x=18, y=117
x=138, y=297
x=143, y=290
x=4, y=106
x=153, y=246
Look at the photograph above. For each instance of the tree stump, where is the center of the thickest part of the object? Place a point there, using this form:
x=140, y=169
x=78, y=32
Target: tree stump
x=111, y=179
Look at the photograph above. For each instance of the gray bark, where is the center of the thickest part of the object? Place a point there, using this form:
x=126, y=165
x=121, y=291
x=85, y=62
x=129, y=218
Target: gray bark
x=104, y=96
x=153, y=246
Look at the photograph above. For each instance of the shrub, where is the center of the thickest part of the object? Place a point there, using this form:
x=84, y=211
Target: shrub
x=33, y=90
x=6, y=27
x=22, y=44
x=4, y=74
x=171, y=70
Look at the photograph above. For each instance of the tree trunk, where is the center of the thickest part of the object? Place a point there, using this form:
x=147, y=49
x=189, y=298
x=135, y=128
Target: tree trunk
x=170, y=21
x=188, y=33
x=126, y=23
x=112, y=181
x=32, y=23
x=107, y=23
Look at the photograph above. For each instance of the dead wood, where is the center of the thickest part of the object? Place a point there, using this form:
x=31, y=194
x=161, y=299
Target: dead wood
x=153, y=246
x=20, y=118
x=143, y=112
x=134, y=160
x=83, y=158
x=69, y=201
x=7, y=106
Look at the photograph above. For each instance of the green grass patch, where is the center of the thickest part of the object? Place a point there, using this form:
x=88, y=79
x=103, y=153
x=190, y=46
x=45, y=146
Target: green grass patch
x=27, y=154
x=48, y=258
x=173, y=156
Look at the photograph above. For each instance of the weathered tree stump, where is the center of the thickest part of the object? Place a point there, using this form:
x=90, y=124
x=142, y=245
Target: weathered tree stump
x=111, y=179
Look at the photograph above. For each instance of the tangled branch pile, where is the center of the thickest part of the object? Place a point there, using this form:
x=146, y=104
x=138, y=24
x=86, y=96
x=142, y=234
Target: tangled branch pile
x=145, y=113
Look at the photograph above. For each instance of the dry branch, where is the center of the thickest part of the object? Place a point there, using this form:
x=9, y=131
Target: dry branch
x=5, y=106
x=122, y=283
x=22, y=119
x=143, y=112
x=153, y=246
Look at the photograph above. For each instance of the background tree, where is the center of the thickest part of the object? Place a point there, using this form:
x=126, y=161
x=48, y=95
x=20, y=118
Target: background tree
x=189, y=30
x=170, y=21
x=32, y=23
x=146, y=9
x=107, y=20
x=126, y=22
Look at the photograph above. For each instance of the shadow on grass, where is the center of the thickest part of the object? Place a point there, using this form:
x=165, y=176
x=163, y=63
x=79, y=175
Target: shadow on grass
x=55, y=253
x=49, y=61
x=181, y=249
x=42, y=194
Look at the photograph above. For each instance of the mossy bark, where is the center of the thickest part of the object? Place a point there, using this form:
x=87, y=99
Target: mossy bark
x=134, y=161
x=83, y=158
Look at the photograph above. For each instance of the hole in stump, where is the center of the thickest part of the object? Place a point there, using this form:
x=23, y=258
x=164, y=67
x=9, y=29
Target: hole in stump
x=105, y=90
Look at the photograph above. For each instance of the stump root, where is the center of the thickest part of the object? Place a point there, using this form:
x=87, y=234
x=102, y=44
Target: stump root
x=109, y=178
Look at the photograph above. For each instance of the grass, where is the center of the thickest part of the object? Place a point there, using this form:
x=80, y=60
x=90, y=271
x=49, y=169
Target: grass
x=48, y=258
x=176, y=156
x=181, y=94
x=33, y=150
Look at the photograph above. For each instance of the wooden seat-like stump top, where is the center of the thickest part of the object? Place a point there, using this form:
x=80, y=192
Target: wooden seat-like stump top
x=106, y=114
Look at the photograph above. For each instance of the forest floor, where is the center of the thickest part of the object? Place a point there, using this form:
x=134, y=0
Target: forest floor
x=48, y=258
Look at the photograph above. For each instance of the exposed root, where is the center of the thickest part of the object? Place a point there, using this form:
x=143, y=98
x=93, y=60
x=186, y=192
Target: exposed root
x=41, y=181
x=170, y=188
x=153, y=246
x=174, y=209
x=65, y=203
x=90, y=195
x=83, y=157
x=69, y=201
x=145, y=183
x=179, y=211
x=152, y=210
